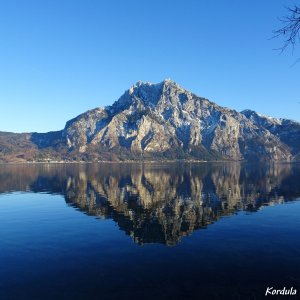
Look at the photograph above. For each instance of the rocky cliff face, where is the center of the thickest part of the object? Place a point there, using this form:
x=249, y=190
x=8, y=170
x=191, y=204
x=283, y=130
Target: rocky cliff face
x=287, y=131
x=151, y=121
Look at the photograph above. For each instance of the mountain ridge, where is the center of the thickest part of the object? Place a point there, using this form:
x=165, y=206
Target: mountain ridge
x=153, y=121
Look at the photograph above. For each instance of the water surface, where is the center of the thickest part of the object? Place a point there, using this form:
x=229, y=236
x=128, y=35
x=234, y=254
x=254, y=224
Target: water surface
x=173, y=231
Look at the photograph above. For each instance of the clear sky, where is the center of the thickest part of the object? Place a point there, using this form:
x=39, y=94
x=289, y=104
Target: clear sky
x=60, y=58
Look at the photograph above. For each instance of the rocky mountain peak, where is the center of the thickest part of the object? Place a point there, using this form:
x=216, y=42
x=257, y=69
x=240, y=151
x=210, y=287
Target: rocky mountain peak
x=164, y=120
x=154, y=119
x=149, y=95
x=141, y=88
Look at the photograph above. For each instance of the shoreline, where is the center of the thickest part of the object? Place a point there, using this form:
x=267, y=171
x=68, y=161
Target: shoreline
x=145, y=162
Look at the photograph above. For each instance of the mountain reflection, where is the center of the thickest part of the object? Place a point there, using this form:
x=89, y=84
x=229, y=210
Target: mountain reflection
x=158, y=203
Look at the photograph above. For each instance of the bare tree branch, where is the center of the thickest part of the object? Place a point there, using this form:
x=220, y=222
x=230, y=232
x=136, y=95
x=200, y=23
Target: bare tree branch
x=291, y=28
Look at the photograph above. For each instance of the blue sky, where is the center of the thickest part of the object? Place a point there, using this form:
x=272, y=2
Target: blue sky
x=61, y=58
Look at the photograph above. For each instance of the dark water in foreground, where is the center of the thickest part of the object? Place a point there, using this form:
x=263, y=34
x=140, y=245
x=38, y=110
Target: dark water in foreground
x=112, y=231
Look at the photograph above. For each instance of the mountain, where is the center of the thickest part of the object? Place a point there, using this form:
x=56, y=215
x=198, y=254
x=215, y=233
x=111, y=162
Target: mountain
x=160, y=121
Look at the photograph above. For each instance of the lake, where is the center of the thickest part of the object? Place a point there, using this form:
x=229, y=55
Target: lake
x=149, y=231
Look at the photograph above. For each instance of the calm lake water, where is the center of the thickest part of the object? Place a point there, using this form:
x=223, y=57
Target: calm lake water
x=173, y=231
